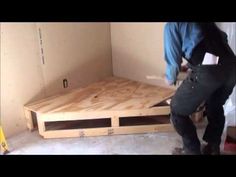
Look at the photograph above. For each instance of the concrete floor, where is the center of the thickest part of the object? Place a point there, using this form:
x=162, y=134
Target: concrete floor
x=150, y=143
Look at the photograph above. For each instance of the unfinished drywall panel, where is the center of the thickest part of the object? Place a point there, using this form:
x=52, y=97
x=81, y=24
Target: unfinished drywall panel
x=137, y=51
x=21, y=75
x=78, y=52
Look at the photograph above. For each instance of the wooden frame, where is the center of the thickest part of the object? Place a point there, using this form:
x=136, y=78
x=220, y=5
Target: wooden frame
x=29, y=119
x=113, y=98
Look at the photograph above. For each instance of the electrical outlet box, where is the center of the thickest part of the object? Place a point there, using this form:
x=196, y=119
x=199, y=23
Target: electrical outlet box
x=65, y=83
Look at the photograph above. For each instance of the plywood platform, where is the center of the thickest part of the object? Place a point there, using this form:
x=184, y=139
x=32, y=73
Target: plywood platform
x=111, y=100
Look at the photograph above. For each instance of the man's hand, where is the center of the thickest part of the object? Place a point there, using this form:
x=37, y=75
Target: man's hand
x=184, y=68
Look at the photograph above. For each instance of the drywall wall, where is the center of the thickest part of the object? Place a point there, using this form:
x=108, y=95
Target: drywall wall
x=21, y=79
x=137, y=51
x=80, y=52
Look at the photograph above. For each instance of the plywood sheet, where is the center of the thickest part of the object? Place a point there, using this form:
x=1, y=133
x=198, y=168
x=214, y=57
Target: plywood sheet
x=111, y=94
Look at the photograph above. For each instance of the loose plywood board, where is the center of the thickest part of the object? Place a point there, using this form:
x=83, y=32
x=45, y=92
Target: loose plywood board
x=112, y=94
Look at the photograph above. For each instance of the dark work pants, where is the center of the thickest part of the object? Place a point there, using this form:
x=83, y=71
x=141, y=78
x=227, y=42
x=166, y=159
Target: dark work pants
x=211, y=84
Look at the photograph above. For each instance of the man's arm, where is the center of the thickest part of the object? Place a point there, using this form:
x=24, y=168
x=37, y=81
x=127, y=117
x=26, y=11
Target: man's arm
x=172, y=51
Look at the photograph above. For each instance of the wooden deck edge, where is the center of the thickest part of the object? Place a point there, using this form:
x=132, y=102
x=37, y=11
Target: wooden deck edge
x=51, y=117
x=107, y=131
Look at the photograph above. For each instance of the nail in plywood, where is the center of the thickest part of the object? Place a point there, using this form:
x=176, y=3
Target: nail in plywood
x=112, y=98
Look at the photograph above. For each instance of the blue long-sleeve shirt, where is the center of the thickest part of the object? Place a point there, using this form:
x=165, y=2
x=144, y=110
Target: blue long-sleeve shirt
x=179, y=41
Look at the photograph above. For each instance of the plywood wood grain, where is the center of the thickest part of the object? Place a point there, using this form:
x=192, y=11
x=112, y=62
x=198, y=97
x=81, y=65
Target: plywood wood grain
x=112, y=94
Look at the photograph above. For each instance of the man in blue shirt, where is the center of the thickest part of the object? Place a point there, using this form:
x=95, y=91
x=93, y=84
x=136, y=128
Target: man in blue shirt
x=211, y=83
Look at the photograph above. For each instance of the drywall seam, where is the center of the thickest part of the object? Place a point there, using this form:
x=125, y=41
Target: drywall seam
x=110, y=31
x=40, y=45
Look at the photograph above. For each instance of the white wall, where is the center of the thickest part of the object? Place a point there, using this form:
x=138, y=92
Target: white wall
x=230, y=29
x=137, y=51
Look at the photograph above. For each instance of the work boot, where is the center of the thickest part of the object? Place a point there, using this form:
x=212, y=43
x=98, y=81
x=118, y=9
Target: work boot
x=210, y=149
x=182, y=151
